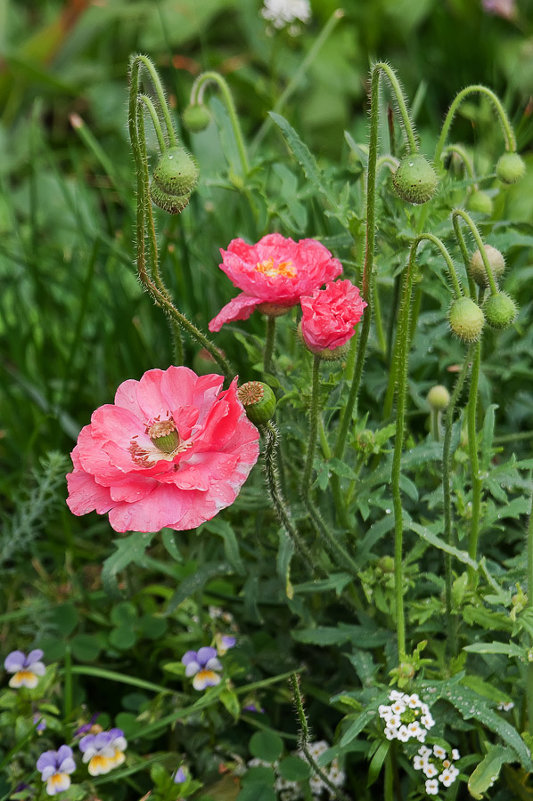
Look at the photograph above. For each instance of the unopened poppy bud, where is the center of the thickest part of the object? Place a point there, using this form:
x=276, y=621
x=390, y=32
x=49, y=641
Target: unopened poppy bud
x=480, y=202
x=466, y=319
x=477, y=270
x=415, y=180
x=510, y=168
x=196, y=117
x=500, y=310
x=258, y=400
x=438, y=397
x=174, y=179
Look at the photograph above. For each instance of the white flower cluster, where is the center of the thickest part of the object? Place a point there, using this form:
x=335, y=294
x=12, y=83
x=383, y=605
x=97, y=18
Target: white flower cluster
x=436, y=767
x=285, y=12
x=292, y=791
x=406, y=718
x=505, y=706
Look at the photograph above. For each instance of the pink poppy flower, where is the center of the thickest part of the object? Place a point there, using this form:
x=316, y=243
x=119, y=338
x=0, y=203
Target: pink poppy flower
x=172, y=451
x=330, y=315
x=275, y=272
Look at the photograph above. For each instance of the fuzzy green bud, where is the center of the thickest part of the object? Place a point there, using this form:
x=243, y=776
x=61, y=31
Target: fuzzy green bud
x=477, y=270
x=500, y=310
x=258, y=400
x=174, y=179
x=415, y=180
x=466, y=319
x=480, y=202
x=196, y=117
x=510, y=168
x=438, y=397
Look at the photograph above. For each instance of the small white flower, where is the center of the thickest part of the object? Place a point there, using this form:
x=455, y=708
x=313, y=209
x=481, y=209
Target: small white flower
x=432, y=787
x=419, y=762
x=394, y=695
x=430, y=770
x=425, y=709
x=412, y=701
x=447, y=777
x=403, y=734
x=394, y=722
x=505, y=706
x=439, y=752
x=398, y=707
x=414, y=728
x=391, y=734
x=453, y=771
x=283, y=12
x=384, y=711
x=421, y=736
x=455, y=754
x=427, y=721
x=424, y=751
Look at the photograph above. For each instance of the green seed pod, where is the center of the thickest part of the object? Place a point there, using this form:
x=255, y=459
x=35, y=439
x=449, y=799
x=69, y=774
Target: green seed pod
x=466, y=319
x=500, y=310
x=258, y=400
x=438, y=397
x=174, y=179
x=415, y=180
x=510, y=168
x=476, y=268
x=480, y=202
x=196, y=118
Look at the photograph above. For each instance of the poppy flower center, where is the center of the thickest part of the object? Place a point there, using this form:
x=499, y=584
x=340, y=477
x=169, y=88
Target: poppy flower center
x=164, y=435
x=274, y=269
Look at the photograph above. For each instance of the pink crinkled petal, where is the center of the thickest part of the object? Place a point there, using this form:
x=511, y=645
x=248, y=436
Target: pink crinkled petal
x=150, y=397
x=164, y=507
x=85, y=495
x=126, y=397
x=132, y=490
x=240, y=308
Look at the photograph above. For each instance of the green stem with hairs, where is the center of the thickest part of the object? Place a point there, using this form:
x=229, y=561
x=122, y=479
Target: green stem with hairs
x=447, y=495
x=477, y=483
x=463, y=155
x=479, y=242
x=197, y=98
x=507, y=129
x=150, y=278
x=270, y=459
x=529, y=689
x=155, y=121
x=313, y=428
x=136, y=63
x=269, y=343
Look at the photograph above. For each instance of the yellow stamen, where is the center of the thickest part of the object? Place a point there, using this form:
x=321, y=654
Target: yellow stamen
x=273, y=270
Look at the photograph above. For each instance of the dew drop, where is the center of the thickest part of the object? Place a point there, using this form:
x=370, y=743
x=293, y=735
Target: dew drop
x=387, y=511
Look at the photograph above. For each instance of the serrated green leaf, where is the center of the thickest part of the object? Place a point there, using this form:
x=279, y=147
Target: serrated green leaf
x=129, y=550
x=436, y=541
x=487, y=437
x=509, y=649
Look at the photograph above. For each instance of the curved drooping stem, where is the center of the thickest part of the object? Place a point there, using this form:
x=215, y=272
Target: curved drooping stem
x=197, y=98
x=148, y=264
x=479, y=242
x=505, y=124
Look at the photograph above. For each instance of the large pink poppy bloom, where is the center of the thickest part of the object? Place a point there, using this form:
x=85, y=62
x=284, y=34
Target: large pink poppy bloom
x=329, y=315
x=172, y=451
x=276, y=272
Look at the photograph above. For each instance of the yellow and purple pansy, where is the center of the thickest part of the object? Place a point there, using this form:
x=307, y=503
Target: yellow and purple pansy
x=54, y=767
x=204, y=666
x=103, y=751
x=26, y=669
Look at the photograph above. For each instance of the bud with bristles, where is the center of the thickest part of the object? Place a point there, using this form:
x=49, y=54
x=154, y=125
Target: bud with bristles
x=510, y=168
x=466, y=319
x=415, y=180
x=258, y=400
x=174, y=179
x=477, y=270
x=500, y=310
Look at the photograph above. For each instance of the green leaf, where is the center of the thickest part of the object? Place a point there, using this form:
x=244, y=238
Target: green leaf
x=436, y=541
x=168, y=538
x=293, y=769
x=64, y=618
x=193, y=584
x=231, y=546
x=471, y=705
x=266, y=745
x=122, y=638
x=510, y=649
x=86, y=647
x=258, y=775
x=487, y=437
x=283, y=562
x=129, y=550
x=337, y=635
x=488, y=770
x=377, y=762
x=124, y=614
x=231, y=702
x=304, y=157
x=335, y=581
x=257, y=792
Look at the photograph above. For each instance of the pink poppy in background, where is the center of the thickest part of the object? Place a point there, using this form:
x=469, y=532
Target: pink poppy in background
x=172, y=451
x=329, y=315
x=273, y=275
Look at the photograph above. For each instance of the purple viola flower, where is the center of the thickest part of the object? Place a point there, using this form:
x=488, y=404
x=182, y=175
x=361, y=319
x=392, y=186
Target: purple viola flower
x=26, y=669
x=180, y=776
x=40, y=721
x=500, y=8
x=254, y=708
x=203, y=665
x=54, y=767
x=103, y=751
x=224, y=642
x=90, y=727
